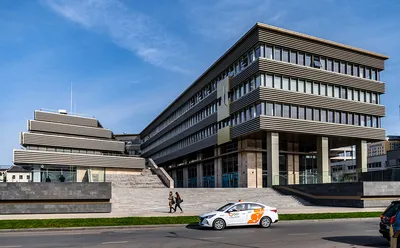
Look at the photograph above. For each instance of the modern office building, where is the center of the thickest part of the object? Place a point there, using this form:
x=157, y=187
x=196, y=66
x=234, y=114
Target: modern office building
x=64, y=147
x=342, y=154
x=132, y=143
x=268, y=111
x=391, y=143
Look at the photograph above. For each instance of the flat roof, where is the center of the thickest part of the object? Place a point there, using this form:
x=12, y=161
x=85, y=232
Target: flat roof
x=273, y=28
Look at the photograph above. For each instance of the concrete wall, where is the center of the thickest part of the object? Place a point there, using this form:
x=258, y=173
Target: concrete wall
x=47, y=198
x=357, y=194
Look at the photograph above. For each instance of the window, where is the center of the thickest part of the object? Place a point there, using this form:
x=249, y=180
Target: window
x=270, y=81
x=252, y=206
x=344, y=93
x=361, y=72
x=367, y=73
x=285, y=55
x=356, y=119
x=344, y=118
x=336, y=66
x=294, y=112
x=285, y=83
x=343, y=67
x=323, y=115
x=293, y=84
x=278, y=110
x=277, y=82
x=258, y=81
x=316, y=89
x=21, y=177
x=349, y=94
x=286, y=111
x=349, y=69
x=374, y=122
x=369, y=124
x=308, y=60
x=316, y=115
x=293, y=57
x=309, y=114
x=362, y=96
x=277, y=53
x=13, y=177
x=308, y=87
x=373, y=74
x=329, y=65
x=323, y=63
x=356, y=95
x=350, y=119
x=330, y=90
x=258, y=52
x=355, y=70
x=323, y=90
x=362, y=120
x=301, y=59
x=368, y=97
x=317, y=63
x=374, y=98
x=270, y=109
x=337, y=117
x=302, y=113
x=337, y=92
x=268, y=52
x=28, y=177
x=301, y=86
x=330, y=116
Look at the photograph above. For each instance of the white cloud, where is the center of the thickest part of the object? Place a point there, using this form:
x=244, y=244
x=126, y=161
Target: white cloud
x=127, y=28
x=228, y=19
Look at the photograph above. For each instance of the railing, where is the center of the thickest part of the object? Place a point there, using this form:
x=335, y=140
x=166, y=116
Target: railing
x=161, y=173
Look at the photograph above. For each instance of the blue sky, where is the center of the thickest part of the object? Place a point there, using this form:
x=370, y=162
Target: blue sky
x=127, y=60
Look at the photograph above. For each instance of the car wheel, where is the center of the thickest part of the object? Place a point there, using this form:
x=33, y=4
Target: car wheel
x=219, y=224
x=265, y=222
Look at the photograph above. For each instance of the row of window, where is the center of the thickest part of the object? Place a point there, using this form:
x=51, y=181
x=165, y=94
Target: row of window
x=198, y=97
x=69, y=150
x=316, y=61
x=193, y=120
x=192, y=139
x=303, y=113
x=28, y=177
x=303, y=86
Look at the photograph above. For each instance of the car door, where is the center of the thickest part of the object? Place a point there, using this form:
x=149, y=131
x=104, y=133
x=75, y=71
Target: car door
x=254, y=213
x=237, y=215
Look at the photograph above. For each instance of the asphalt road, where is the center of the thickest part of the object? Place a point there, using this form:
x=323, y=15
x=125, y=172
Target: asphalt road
x=337, y=233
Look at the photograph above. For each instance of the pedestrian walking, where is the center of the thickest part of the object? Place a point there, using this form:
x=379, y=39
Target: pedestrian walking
x=171, y=201
x=178, y=201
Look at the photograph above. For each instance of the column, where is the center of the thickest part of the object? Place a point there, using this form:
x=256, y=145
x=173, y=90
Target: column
x=273, y=158
x=296, y=161
x=361, y=156
x=323, y=168
x=200, y=171
x=218, y=168
x=242, y=164
x=185, y=177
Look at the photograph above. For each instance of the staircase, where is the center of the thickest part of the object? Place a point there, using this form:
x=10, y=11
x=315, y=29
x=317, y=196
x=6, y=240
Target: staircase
x=133, y=200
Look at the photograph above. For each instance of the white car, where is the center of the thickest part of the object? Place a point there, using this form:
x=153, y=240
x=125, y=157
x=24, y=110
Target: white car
x=240, y=214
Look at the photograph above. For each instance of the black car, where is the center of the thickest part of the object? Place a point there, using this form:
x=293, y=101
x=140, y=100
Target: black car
x=390, y=211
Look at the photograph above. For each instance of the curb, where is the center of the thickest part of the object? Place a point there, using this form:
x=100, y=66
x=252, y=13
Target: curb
x=92, y=228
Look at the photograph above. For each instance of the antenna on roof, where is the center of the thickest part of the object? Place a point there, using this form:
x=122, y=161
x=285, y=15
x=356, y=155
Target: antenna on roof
x=71, y=98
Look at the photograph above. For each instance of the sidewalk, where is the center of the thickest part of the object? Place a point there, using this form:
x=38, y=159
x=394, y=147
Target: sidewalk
x=302, y=210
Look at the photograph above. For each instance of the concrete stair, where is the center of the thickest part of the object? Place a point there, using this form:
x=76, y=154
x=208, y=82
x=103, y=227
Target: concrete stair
x=135, y=200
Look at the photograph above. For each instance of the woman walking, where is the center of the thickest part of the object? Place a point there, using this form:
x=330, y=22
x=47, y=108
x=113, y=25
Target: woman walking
x=178, y=201
x=171, y=201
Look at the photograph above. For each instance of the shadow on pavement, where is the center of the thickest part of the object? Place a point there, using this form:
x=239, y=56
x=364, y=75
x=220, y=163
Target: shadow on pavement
x=367, y=241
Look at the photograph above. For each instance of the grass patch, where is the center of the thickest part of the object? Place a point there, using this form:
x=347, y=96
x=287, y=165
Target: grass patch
x=132, y=221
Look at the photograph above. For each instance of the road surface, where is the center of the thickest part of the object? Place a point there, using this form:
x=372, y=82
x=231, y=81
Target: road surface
x=329, y=234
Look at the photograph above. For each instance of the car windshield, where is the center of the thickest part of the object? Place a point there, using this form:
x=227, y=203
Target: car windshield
x=225, y=207
x=392, y=209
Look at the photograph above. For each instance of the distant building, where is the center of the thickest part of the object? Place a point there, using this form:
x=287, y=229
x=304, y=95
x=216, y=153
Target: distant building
x=63, y=147
x=132, y=143
x=381, y=148
x=18, y=174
